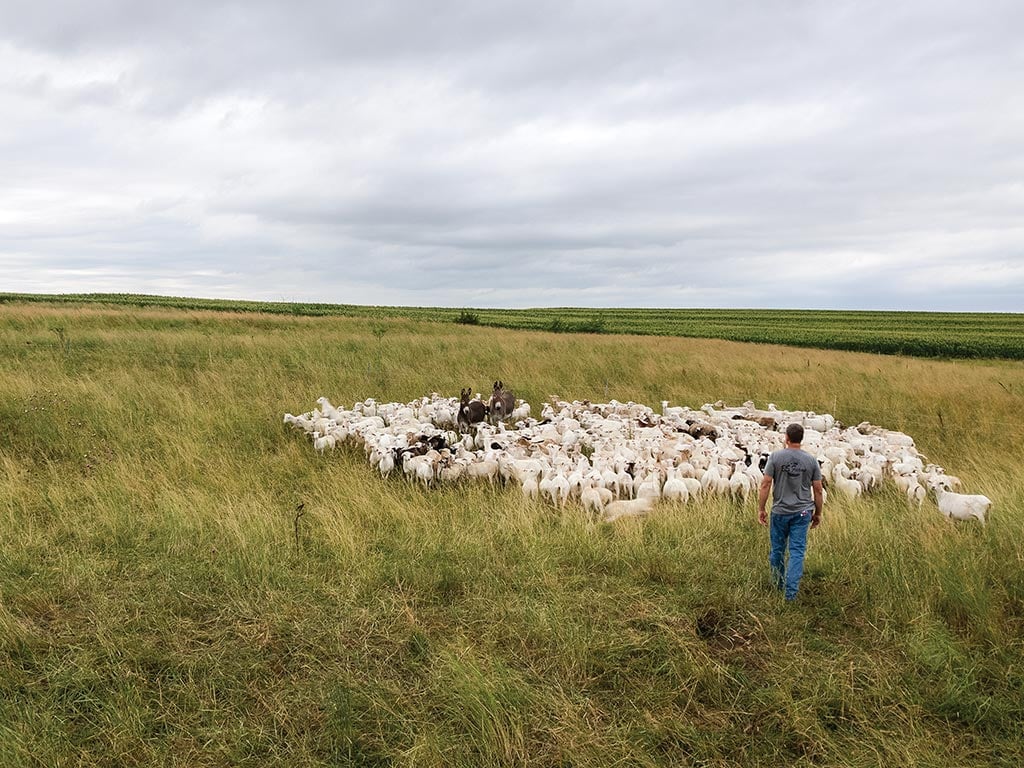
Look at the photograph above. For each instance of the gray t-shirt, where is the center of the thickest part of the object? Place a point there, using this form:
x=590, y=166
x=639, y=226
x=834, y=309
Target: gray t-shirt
x=792, y=472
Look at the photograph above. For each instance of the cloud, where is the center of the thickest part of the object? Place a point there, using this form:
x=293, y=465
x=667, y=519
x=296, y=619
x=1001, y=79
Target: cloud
x=517, y=154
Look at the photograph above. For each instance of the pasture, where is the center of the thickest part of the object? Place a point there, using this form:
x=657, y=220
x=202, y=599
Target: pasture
x=921, y=334
x=162, y=601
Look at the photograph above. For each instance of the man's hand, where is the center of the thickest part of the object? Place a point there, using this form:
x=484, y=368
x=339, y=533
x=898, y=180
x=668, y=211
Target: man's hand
x=762, y=499
x=819, y=500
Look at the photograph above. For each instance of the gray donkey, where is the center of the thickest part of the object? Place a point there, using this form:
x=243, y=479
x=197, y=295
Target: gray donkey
x=502, y=402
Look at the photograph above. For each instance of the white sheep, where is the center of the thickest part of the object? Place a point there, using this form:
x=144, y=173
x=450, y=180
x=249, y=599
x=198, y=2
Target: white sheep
x=904, y=482
x=675, y=412
x=650, y=486
x=483, y=469
x=420, y=468
x=625, y=484
x=595, y=497
x=741, y=485
x=962, y=506
x=323, y=442
x=558, y=489
x=327, y=409
x=521, y=412
x=531, y=488
x=915, y=493
x=452, y=470
x=693, y=487
x=851, y=488
x=675, y=488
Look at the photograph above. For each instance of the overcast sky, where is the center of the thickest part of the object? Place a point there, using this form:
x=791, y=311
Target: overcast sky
x=517, y=154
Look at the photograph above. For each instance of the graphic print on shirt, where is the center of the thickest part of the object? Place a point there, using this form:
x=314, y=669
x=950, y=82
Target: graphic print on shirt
x=793, y=469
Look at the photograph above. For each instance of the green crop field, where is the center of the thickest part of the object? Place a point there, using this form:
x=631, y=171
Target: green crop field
x=923, y=334
x=162, y=602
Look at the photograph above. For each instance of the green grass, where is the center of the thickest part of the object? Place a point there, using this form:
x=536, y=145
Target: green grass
x=156, y=608
x=921, y=334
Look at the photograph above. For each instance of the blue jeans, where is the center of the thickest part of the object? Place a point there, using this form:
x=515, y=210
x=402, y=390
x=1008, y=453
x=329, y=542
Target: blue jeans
x=794, y=528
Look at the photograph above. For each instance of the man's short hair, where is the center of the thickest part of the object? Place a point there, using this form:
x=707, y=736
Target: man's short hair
x=795, y=433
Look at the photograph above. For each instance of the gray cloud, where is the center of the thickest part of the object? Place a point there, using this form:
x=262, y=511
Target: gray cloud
x=849, y=154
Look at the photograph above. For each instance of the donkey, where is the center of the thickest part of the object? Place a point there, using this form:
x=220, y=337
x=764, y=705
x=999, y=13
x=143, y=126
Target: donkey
x=502, y=402
x=470, y=411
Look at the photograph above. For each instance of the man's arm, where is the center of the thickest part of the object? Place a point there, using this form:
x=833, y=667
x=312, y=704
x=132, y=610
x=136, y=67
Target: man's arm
x=762, y=499
x=816, y=518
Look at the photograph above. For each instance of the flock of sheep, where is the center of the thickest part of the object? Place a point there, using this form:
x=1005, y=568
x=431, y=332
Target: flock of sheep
x=619, y=459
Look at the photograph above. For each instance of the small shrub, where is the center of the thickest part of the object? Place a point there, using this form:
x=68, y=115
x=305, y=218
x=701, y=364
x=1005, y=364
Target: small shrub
x=468, y=318
x=593, y=325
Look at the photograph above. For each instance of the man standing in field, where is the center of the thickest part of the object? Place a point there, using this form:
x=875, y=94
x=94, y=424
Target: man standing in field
x=796, y=476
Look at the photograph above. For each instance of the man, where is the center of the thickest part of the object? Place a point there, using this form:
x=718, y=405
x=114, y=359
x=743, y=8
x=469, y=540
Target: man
x=796, y=476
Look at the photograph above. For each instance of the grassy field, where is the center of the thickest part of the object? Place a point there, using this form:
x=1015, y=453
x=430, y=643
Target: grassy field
x=160, y=603
x=921, y=334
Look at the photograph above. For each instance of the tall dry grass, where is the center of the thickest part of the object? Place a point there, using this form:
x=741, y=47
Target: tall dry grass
x=156, y=606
